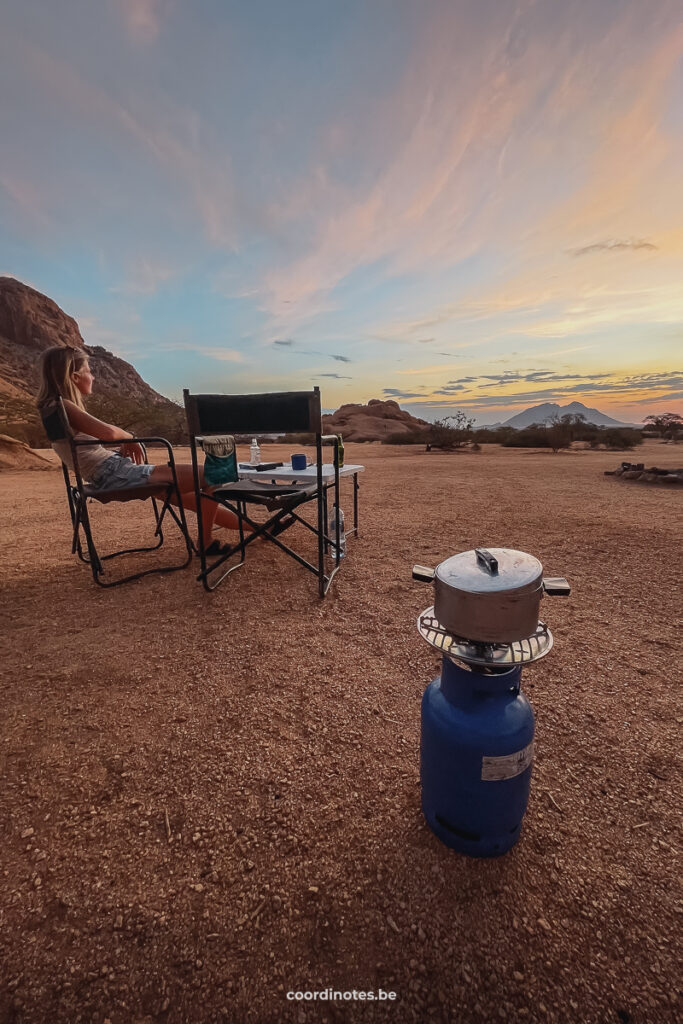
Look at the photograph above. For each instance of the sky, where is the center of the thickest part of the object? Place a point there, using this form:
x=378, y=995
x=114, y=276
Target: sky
x=458, y=204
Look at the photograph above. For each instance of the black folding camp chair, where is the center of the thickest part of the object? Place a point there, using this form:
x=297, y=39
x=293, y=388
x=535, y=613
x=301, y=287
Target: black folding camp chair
x=56, y=425
x=223, y=416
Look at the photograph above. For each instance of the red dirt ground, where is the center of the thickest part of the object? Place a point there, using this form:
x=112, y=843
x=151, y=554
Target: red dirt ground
x=278, y=737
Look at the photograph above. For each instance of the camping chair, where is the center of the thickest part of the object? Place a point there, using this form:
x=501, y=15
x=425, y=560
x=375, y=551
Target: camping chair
x=221, y=417
x=56, y=425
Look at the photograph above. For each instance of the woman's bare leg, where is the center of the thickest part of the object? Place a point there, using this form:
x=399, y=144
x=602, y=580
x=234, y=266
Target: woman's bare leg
x=211, y=513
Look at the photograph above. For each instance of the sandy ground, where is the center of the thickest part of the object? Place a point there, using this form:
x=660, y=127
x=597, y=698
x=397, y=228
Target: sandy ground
x=279, y=736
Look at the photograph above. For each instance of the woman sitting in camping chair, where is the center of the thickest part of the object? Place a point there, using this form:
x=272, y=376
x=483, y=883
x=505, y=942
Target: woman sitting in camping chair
x=65, y=372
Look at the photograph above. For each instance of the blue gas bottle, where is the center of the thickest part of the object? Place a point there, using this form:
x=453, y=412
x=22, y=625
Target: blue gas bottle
x=476, y=756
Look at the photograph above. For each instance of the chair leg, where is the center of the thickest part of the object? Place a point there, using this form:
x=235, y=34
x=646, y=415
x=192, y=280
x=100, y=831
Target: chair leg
x=75, y=512
x=182, y=526
x=96, y=560
x=262, y=530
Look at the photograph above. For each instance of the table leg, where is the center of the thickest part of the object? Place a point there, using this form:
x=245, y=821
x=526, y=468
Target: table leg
x=355, y=503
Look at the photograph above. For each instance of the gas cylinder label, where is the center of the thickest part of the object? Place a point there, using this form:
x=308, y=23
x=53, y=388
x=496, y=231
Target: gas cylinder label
x=495, y=769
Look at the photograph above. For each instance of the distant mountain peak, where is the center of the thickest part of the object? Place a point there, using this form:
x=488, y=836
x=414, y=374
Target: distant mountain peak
x=542, y=413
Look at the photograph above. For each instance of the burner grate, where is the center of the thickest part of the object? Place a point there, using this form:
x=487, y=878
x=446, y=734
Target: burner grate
x=521, y=652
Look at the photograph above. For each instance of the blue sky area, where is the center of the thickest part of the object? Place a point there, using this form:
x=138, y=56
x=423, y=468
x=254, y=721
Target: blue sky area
x=463, y=204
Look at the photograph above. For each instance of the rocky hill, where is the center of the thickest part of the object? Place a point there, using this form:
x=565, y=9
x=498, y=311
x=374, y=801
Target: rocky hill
x=372, y=422
x=30, y=322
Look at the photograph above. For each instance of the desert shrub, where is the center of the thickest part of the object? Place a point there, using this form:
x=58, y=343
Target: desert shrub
x=558, y=433
x=585, y=431
x=621, y=438
x=497, y=435
x=535, y=436
x=418, y=435
x=142, y=418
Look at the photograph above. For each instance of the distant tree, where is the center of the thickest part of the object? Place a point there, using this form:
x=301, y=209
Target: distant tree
x=560, y=431
x=667, y=424
x=450, y=432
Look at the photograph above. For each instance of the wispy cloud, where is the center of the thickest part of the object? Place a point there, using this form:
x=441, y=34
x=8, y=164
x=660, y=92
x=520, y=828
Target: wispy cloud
x=172, y=135
x=429, y=369
x=534, y=377
x=145, y=276
x=658, y=386
x=142, y=18
x=397, y=393
x=435, y=199
x=614, y=245
x=28, y=198
x=337, y=376
x=223, y=355
x=474, y=182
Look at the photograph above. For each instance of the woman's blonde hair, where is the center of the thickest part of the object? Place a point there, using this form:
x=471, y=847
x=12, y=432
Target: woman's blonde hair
x=56, y=366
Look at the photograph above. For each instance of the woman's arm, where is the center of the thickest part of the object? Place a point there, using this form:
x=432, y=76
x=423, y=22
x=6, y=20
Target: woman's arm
x=81, y=421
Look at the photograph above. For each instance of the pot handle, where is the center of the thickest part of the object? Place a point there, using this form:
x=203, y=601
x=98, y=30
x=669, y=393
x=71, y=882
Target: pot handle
x=423, y=574
x=556, y=586
x=487, y=560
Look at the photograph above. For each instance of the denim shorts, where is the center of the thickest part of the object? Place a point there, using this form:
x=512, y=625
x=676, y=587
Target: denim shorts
x=118, y=473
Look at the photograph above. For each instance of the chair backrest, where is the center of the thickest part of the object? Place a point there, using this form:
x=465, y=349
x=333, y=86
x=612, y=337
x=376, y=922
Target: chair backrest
x=55, y=421
x=277, y=412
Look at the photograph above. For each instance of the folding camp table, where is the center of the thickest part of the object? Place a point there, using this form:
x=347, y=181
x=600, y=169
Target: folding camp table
x=308, y=475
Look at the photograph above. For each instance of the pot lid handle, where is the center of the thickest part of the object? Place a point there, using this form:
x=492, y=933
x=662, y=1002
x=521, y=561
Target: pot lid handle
x=423, y=574
x=486, y=560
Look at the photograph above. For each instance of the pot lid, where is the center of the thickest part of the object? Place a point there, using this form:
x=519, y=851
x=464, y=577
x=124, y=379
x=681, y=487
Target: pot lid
x=491, y=571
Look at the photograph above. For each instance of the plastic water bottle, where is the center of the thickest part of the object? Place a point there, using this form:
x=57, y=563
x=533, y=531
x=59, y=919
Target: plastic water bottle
x=333, y=531
x=255, y=453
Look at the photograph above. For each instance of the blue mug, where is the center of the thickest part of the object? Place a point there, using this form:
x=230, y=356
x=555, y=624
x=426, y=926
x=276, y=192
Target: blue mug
x=298, y=461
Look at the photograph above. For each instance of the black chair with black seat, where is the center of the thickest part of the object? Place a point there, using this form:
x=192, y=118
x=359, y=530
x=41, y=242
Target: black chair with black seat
x=56, y=426
x=224, y=416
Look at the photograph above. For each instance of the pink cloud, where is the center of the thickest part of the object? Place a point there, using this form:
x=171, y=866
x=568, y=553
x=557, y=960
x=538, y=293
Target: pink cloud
x=497, y=151
x=145, y=276
x=142, y=19
x=27, y=198
x=172, y=135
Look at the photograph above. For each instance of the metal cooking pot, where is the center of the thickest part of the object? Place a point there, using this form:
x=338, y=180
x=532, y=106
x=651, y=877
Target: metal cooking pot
x=490, y=596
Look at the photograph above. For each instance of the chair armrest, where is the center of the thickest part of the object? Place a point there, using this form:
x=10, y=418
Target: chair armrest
x=131, y=440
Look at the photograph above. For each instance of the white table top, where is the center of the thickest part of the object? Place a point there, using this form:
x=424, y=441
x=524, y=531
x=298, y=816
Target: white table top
x=285, y=472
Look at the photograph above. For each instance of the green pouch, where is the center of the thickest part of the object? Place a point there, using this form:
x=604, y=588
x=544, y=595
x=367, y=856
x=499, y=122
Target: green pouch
x=220, y=460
